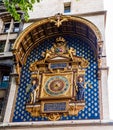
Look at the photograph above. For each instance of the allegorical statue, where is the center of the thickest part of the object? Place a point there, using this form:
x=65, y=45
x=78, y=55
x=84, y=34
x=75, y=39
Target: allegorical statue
x=32, y=91
x=80, y=89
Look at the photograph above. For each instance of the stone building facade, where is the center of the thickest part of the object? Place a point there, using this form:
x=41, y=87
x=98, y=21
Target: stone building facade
x=82, y=24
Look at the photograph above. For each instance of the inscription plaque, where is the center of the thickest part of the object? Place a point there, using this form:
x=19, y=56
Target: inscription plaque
x=48, y=107
x=58, y=65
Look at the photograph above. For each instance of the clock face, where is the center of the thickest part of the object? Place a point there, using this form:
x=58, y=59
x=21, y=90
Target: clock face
x=56, y=85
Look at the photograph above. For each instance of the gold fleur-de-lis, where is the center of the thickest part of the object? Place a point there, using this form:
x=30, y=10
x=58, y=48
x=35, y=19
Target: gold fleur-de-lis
x=58, y=19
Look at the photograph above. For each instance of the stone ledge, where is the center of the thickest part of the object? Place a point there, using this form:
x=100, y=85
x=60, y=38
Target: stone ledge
x=71, y=123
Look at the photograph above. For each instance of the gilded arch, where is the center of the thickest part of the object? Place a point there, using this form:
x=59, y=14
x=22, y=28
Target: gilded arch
x=43, y=29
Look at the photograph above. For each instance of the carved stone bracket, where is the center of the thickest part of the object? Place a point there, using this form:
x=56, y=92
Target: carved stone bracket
x=75, y=108
x=33, y=110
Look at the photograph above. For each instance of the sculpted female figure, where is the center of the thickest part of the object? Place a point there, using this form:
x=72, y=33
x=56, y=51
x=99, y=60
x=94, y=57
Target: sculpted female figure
x=80, y=89
x=32, y=91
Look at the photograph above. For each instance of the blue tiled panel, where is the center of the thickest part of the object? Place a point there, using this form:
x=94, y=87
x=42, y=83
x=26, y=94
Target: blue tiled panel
x=91, y=110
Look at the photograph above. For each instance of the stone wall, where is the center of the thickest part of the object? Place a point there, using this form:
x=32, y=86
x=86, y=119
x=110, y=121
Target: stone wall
x=47, y=8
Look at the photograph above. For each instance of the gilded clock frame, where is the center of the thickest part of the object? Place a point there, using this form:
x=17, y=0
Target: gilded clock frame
x=67, y=94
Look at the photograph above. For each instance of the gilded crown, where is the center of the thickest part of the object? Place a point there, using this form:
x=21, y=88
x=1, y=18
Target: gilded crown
x=60, y=39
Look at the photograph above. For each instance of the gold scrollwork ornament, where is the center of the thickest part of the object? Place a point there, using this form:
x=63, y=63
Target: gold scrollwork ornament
x=54, y=116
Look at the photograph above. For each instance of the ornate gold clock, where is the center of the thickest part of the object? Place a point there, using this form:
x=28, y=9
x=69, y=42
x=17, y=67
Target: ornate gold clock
x=56, y=79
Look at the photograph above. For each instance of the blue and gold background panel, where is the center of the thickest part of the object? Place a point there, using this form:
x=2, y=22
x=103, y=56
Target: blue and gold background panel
x=91, y=110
